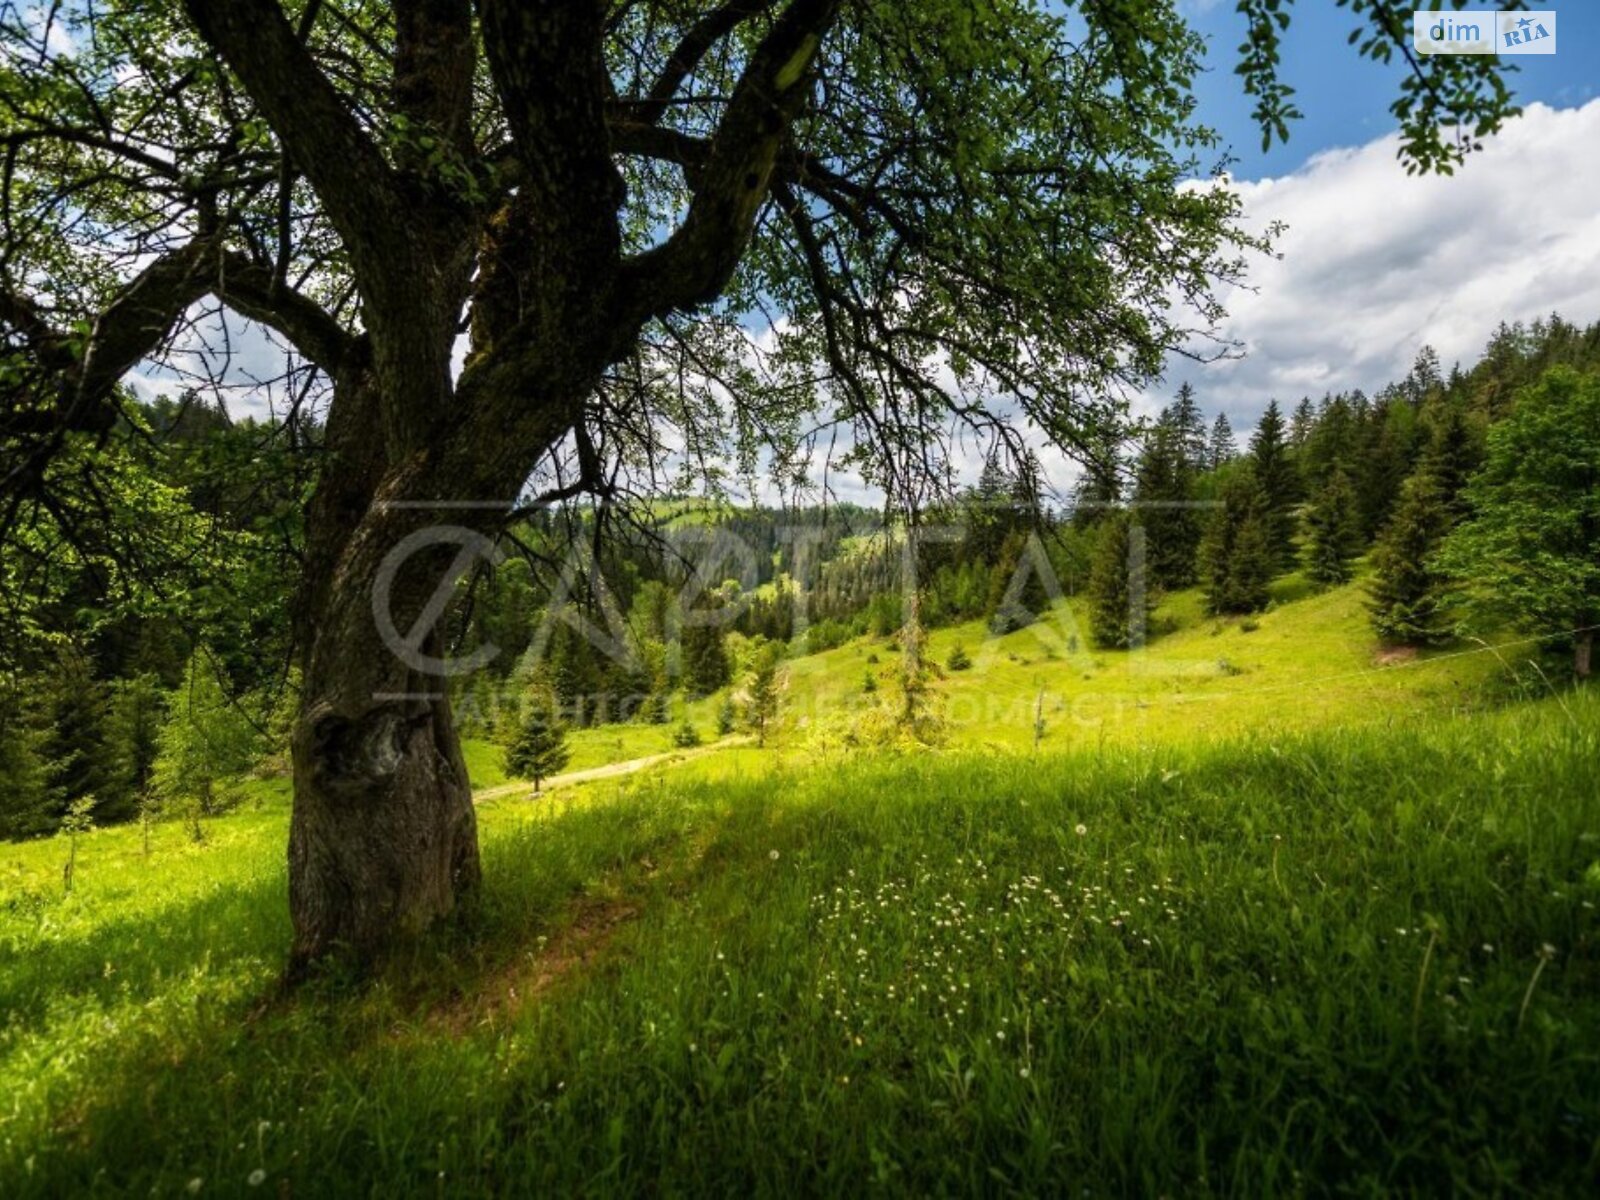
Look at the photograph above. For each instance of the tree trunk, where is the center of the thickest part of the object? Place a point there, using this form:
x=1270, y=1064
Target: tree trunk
x=1583, y=654
x=383, y=841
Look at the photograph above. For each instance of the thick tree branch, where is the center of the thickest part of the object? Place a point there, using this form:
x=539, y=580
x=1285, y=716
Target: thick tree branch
x=433, y=61
x=135, y=324
x=702, y=36
x=696, y=262
x=360, y=191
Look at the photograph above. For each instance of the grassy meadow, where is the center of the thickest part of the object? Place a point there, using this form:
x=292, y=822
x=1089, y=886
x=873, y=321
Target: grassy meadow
x=1261, y=913
x=1307, y=663
x=1352, y=960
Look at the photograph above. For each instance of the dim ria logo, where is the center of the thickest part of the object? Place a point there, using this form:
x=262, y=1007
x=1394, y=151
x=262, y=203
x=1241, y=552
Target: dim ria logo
x=1485, y=32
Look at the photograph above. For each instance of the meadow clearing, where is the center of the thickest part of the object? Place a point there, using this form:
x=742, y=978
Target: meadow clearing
x=1353, y=948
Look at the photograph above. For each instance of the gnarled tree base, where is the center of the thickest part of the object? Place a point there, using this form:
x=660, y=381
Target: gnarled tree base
x=383, y=842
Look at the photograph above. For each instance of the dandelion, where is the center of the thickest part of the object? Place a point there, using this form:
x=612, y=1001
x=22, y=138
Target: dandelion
x=773, y=855
x=1082, y=830
x=257, y=1177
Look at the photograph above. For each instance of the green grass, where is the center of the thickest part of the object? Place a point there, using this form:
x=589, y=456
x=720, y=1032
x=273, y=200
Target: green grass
x=1309, y=662
x=1358, y=960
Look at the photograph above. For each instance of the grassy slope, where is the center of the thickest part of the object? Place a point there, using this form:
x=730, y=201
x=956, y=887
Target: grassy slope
x=1310, y=662
x=1292, y=960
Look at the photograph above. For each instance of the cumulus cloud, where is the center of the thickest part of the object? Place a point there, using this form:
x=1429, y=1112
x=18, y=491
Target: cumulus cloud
x=1376, y=263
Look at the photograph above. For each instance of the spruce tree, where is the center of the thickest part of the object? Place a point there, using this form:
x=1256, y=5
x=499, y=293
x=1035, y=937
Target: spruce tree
x=1222, y=449
x=1302, y=424
x=1099, y=491
x=1119, y=596
x=539, y=749
x=133, y=732
x=1189, y=423
x=1405, y=593
x=73, y=710
x=1452, y=456
x=1386, y=457
x=705, y=655
x=1333, y=534
x=1530, y=553
x=1332, y=446
x=761, y=699
x=1236, y=558
x=25, y=803
x=206, y=742
x=1280, y=488
x=1017, y=590
x=1164, y=491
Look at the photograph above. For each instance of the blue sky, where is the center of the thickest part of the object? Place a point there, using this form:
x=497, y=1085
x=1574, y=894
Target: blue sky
x=1374, y=263
x=1346, y=98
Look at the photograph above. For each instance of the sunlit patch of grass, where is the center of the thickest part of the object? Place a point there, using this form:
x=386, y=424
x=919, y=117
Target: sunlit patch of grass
x=1363, y=960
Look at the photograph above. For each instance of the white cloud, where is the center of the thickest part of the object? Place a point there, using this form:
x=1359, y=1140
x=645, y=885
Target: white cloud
x=1375, y=263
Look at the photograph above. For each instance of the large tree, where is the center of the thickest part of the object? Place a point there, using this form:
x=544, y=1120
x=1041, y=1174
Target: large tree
x=967, y=216
x=1529, y=554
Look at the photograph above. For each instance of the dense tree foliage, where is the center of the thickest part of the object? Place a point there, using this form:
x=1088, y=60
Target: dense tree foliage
x=1120, y=596
x=1528, y=554
x=1237, y=556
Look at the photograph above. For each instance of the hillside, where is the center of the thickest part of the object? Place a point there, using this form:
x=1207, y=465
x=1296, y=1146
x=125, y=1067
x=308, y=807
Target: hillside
x=1369, y=956
x=1309, y=661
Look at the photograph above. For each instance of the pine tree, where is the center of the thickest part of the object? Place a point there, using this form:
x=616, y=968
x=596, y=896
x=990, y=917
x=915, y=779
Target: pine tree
x=1405, y=593
x=1528, y=554
x=25, y=803
x=1164, y=491
x=761, y=702
x=539, y=749
x=1221, y=449
x=727, y=717
x=1184, y=416
x=1236, y=558
x=1280, y=489
x=1119, y=596
x=1333, y=535
x=206, y=742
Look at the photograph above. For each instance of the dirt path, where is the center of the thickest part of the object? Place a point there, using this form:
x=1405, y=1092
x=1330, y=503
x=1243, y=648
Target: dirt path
x=610, y=770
